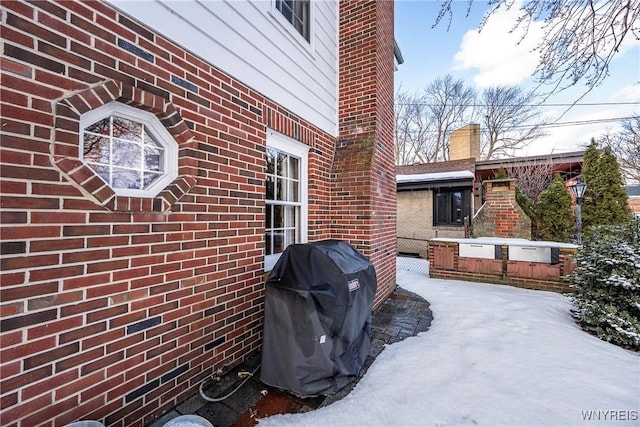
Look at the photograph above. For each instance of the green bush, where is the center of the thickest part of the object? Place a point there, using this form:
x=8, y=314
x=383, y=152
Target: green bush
x=607, y=280
x=605, y=199
x=554, y=214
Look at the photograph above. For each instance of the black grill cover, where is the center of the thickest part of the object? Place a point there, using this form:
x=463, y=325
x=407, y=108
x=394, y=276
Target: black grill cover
x=317, y=324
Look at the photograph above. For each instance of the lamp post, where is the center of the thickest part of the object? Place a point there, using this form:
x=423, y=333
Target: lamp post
x=578, y=192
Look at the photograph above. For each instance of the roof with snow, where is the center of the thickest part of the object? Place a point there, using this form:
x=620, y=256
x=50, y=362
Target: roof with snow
x=420, y=181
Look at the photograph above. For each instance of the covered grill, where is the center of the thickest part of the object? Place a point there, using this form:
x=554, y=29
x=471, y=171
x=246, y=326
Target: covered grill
x=317, y=326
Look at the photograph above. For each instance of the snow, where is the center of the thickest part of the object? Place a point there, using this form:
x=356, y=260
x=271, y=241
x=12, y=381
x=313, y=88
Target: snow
x=494, y=356
x=506, y=241
x=434, y=176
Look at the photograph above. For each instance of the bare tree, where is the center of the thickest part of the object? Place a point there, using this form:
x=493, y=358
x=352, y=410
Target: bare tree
x=510, y=121
x=580, y=36
x=625, y=144
x=412, y=129
x=449, y=102
x=425, y=119
x=532, y=177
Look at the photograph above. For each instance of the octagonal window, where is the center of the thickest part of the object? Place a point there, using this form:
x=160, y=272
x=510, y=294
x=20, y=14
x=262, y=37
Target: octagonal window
x=129, y=148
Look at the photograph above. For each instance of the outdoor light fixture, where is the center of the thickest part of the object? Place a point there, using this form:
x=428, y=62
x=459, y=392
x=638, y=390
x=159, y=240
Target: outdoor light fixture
x=578, y=192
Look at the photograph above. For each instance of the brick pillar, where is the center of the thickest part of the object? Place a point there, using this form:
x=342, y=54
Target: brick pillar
x=501, y=215
x=363, y=173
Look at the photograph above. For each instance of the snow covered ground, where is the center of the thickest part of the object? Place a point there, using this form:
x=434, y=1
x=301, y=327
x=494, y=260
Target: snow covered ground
x=494, y=356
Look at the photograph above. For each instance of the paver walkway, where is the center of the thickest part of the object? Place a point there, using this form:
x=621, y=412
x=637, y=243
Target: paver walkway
x=402, y=315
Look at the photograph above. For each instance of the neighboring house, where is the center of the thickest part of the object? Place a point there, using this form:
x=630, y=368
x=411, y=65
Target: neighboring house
x=157, y=157
x=441, y=199
x=633, y=193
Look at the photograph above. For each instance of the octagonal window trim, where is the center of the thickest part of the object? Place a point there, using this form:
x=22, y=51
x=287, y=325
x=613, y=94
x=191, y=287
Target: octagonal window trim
x=130, y=157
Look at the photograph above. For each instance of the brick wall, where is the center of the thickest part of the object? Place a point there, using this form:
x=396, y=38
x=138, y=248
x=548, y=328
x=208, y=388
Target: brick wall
x=115, y=308
x=465, y=142
x=445, y=262
x=415, y=215
x=501, y=215
x=364, y=193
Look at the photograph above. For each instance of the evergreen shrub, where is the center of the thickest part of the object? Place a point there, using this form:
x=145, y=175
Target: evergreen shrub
x=607, y=280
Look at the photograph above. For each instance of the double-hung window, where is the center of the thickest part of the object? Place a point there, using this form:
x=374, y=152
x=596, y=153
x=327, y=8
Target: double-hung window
x=286, y=196
x=297, y=12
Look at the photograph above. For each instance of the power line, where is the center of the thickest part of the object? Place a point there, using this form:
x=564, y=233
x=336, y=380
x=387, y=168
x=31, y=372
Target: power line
x=575, y=123
x=582, y=104
x=552, y=125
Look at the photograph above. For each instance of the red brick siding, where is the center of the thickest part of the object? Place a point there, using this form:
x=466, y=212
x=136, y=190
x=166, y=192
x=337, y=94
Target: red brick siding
x=364, y=193
x=501, y=215
x=445, y=263
x=116, y=308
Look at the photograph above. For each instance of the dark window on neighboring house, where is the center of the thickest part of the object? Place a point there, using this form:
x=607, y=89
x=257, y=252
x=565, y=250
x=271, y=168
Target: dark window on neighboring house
x=297, y=13
x=451, y=206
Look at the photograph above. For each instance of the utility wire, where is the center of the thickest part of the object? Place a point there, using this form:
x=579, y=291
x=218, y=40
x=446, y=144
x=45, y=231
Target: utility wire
x=551, y=125
x=586, y=104
x=575, y=123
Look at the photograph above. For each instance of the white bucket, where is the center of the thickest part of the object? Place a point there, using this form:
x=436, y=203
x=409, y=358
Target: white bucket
x=188, y=421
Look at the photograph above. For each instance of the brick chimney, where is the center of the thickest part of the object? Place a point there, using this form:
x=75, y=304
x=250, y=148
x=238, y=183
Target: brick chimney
x=363, y=199
x=465, y=143
x=500, y=215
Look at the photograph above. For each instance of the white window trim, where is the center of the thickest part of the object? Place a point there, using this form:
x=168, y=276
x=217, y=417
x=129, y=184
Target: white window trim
x=307, y=46
x=295, y=148
x=162, y=135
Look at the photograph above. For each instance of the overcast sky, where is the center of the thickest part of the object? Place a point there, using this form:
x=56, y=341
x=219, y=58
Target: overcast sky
x=493, y=57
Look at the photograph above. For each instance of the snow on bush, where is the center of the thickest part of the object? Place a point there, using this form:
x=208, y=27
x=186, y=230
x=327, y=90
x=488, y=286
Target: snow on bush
x=607, y=279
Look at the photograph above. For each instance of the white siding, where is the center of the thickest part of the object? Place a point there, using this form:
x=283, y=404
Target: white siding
x=252, y=42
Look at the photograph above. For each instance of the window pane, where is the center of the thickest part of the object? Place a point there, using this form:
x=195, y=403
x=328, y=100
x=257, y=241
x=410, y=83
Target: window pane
x=271, y=161
x=101, y=127
x=269, y=216
x=150, y=140
x=278, y=216
x=441, y=208
x=125, y=178
x=281, y=189
x=456, y=205
x=152, y=159
x=127, y=129
x=290, y=216
x=281, y=164
x=96, y=148
x=268, y=243
x=271, y=188
x=149, y=178
x=278, y=241
x=127, y=155
x=294, y=168
x=295, y=191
